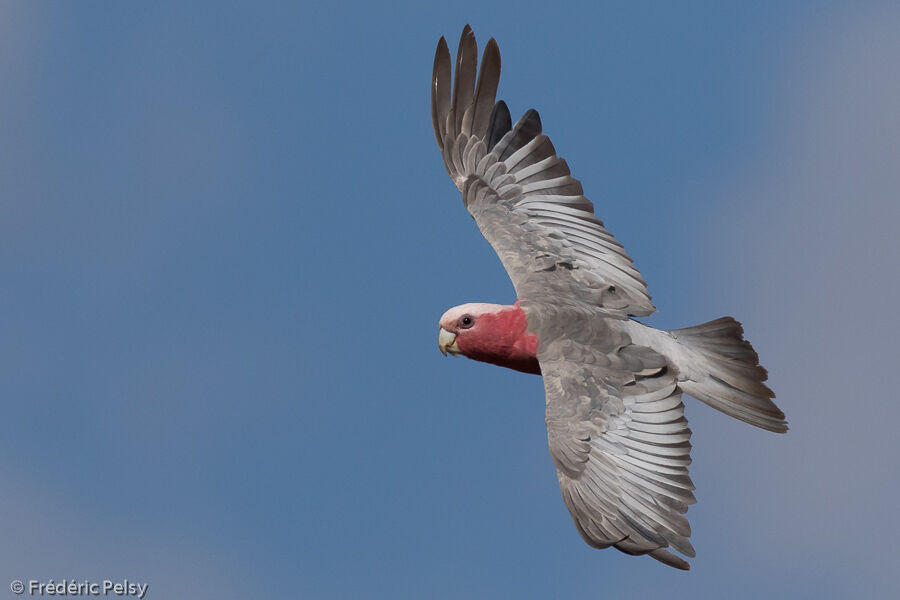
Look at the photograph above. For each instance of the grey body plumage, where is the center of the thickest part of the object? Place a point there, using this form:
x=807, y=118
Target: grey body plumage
x=615, y=419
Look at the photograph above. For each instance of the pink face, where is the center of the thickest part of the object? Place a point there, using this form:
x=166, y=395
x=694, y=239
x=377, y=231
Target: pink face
x=489, y=333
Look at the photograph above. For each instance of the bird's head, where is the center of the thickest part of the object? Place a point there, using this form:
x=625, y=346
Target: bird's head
x=466, y=326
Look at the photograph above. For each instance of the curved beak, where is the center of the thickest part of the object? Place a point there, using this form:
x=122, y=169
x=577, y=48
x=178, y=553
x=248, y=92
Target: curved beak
x=447, y=342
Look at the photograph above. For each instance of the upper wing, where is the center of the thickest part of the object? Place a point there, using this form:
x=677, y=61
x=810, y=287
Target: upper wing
x=621, y=444
x=526, y=204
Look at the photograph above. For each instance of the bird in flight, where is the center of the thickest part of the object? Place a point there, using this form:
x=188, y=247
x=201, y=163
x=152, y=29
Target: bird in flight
x=613, y=386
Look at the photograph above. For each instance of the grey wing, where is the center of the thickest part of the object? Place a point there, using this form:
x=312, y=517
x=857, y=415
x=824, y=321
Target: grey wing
x=522, y=195
x=620, y=442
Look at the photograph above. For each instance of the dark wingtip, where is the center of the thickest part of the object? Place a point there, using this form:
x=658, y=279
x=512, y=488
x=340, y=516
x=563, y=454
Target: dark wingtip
x=464, y=38
x=501, y=123
x=533, y=119
x=666, y=557
x=442, y=48
x=441, y=75
x=466, y=33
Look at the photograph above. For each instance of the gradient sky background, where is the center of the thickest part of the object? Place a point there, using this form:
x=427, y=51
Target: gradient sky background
x=226, y=237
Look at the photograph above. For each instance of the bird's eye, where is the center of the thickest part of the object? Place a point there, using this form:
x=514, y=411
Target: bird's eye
x=466, y=321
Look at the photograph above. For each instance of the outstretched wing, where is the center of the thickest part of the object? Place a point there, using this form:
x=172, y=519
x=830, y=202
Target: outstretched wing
x=522, y=196
x=619, y=439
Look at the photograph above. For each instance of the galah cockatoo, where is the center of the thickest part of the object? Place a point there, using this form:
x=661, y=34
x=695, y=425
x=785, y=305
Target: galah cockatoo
x=615, y=419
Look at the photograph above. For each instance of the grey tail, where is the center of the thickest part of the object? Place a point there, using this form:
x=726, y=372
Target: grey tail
x=734, y=382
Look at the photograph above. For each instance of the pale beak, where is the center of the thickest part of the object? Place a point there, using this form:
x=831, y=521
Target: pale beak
x=447, y=342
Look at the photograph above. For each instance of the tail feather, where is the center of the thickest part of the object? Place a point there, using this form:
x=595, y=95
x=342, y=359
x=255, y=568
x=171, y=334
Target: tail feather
x=734, y=381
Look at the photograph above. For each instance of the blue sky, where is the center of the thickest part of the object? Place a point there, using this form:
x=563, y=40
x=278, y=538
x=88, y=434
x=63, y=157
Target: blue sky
x=226, y=237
